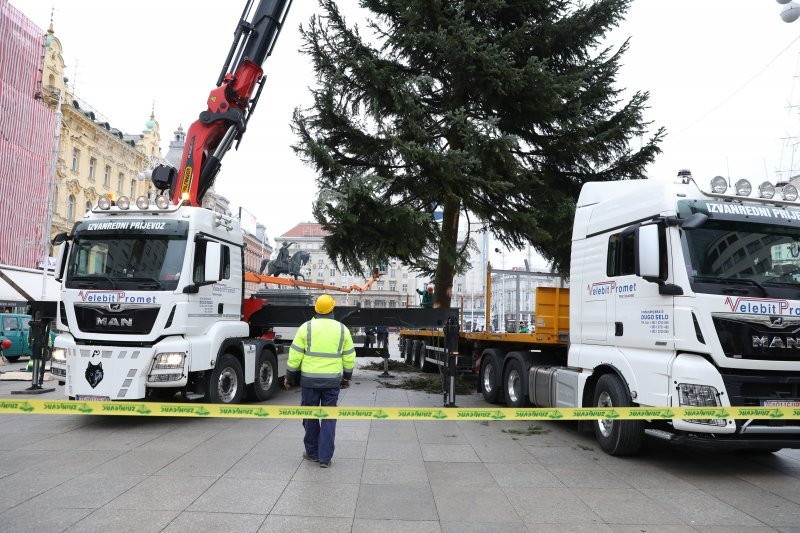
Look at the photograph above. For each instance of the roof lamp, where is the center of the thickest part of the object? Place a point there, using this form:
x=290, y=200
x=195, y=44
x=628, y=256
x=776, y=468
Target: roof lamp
x=142, y=202
x=766, y=190
x=104, y=203
x=789, y=193
x=123, y=202
x=719, y=184
x=743, y=188
x=162, y=202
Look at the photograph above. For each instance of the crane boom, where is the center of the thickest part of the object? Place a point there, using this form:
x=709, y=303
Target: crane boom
x=230, y=104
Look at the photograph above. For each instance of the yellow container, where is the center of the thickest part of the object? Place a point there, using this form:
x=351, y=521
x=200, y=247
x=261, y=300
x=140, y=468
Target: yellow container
x=552, y=315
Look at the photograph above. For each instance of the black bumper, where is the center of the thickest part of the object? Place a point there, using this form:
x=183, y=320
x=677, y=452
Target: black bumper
x=727, y=442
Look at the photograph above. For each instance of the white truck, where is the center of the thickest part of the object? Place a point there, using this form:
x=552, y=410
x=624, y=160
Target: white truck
x=151, y=300
x=679, y=297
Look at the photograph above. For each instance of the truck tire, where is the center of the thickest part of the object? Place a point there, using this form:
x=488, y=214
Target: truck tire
x=490, y=371
x=266, y=378
x=12, y=358
x=408, y=352
x=616, y=437
x=515, y=381
x=419, y=348
x=424, y=364
x=226, y=382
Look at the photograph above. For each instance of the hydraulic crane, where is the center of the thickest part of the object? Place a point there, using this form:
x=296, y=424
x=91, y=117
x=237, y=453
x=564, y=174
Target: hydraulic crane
x=230, y=104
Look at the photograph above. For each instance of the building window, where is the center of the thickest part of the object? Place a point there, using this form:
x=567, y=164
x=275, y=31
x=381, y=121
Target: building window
x=458, y=288
x=71, y=207
x=380, y=287
x=107, y=176
x=133, y=189
x=393, y=273
x=333, y=272
x=405, y=275
x=392, y=303
x=392, y=287
x=320, y=273
x=405, y=287
x=120, y=182
x=92, y=165
x=76, y=159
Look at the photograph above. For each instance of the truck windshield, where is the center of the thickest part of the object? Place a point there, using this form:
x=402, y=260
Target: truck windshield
x=131, y=262
x=725, y=255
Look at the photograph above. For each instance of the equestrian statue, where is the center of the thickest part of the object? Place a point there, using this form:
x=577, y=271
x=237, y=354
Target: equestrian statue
x=283, y=264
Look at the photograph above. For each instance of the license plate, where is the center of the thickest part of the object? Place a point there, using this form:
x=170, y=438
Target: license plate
x=780, y=403
x=93, y=398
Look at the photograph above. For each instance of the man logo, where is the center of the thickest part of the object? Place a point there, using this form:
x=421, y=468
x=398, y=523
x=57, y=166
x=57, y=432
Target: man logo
x=103, y=321
x=94, y=374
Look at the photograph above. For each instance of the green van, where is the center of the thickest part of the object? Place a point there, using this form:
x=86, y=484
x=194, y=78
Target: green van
x=14, y=327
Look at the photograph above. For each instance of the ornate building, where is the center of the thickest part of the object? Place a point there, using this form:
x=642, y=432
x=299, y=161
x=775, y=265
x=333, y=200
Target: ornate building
x=396, y=288
x=256, y=249
x=94, y=158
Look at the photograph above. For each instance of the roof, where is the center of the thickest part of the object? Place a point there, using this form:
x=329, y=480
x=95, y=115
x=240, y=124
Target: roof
x=306, y=229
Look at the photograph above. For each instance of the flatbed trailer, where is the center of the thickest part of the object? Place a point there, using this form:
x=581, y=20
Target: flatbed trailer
x=425, y=349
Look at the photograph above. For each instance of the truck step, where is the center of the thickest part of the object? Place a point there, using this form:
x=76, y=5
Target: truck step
x=193, y=396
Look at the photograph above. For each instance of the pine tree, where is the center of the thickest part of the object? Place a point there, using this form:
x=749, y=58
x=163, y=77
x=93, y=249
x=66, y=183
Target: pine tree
x=498, y=110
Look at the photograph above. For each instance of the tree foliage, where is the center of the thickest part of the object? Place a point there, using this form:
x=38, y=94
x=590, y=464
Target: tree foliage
x=498, y=110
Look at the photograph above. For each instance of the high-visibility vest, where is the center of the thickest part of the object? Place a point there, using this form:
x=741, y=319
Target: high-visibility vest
x=322, y=352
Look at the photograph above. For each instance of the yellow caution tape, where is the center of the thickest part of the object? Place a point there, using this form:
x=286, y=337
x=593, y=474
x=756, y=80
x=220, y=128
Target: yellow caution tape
x=205, y=410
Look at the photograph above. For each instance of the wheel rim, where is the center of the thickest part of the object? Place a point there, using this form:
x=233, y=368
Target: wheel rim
x=605, y=426
x=265, y=376
x=514, y=386
x=227, y=385
x=488, y=377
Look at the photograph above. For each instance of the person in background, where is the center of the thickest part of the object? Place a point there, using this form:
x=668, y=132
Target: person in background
x=383, y=336
x=427, y=296
x=321, y=358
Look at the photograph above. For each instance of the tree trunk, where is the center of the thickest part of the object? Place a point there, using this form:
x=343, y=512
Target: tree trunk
x=445, y=268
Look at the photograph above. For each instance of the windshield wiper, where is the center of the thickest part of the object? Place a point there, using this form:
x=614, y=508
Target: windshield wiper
x=92, y=280
x=744, y=281
x=148, y=280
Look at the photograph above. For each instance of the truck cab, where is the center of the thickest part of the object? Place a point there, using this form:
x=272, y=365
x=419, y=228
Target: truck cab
x=688, y=298
x=151, y=301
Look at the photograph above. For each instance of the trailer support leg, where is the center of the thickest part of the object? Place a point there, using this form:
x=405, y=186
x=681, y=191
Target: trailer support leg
x=451, y=355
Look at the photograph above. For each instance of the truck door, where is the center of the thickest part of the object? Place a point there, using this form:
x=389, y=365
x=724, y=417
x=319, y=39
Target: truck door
x=13, y=332
x=220, y=300
x=643, y=325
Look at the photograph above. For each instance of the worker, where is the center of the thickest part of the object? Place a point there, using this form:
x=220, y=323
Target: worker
x=427, y=297
x=322, y=356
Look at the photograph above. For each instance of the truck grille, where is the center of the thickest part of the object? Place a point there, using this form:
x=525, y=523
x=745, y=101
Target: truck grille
x=751, y=387
x=116, y=318
x=772, y=338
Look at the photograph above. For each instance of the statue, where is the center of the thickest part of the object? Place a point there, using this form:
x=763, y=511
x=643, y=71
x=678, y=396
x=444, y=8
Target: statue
x=283, y=264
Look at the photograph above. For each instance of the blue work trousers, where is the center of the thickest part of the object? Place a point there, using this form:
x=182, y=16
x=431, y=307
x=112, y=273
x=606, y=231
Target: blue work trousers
x=319, y=437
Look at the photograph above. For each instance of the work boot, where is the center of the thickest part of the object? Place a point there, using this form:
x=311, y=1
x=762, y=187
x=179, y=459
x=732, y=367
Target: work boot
x=306, y=456
x=324, y=464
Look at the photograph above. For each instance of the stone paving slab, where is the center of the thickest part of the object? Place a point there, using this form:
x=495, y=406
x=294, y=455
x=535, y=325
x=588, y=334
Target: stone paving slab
x=93, y=473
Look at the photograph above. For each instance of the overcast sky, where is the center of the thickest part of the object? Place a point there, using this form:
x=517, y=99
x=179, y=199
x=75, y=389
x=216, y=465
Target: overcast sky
x=721, y=75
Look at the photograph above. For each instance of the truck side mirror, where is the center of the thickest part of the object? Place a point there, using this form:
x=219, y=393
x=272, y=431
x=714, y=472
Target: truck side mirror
x=61, y=259
x=648, y=252
x=213, y=270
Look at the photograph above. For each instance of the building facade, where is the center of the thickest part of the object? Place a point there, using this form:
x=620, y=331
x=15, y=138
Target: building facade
x=256, y=250
x=395, y=288
x=94, y=158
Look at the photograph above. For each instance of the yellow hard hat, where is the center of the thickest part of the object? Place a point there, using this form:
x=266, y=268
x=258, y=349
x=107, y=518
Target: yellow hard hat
x=324, y=304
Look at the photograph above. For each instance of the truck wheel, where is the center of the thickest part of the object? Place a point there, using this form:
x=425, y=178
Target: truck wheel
x=12, y=358
x=408, y=352
x=266, y=378
x=492, y=393
x=516, y=383
x=419, y=349
x=424, y=364
x=616, y=437
x=226, y=383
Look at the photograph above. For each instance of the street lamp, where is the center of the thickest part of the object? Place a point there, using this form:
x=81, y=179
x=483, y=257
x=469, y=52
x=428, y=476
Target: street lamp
x=790, y=11
x=502, y=289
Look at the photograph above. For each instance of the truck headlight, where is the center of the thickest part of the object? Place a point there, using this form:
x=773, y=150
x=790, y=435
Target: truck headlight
x=691, y=395
x=697, y=395
x=169, y=360
x=59, y=355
